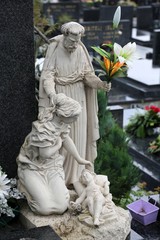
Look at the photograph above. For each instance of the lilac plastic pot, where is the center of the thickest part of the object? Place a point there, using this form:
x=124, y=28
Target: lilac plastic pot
x=144, y=212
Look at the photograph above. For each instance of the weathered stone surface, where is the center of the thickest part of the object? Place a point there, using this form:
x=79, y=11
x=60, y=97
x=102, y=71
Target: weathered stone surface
x=67, y=225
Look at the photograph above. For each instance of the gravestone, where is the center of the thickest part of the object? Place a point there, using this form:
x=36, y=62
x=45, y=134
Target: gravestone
x=60, y=9
x=91, y=14
x=107, y=13
x=156, y=48
x=100, y=32
x=144, y=16
x=17, y=94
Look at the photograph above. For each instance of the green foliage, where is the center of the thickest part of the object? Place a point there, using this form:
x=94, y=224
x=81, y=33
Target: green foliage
x=43, y=25
x=142, y=125
x=154, y=146
x=113, y=158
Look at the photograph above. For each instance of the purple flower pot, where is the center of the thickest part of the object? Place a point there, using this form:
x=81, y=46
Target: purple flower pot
x=144, y=212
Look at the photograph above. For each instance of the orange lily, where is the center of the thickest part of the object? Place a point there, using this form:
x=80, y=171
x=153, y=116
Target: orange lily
x=116, y=67
x=107, y=64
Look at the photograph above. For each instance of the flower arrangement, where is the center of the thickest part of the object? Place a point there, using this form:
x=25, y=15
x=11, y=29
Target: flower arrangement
x=154, y=146
x=143, y=124
x=115, y=59
x=8, y=195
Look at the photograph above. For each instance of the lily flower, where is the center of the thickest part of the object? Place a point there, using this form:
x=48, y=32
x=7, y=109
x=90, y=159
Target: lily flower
x=116, y=17
x=107, y=63
x=4, y=188
x=125, y=54
x=111, y=67
x=116, y=67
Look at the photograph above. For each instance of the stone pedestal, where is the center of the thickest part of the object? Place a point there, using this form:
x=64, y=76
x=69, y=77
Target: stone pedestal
x=67, y=226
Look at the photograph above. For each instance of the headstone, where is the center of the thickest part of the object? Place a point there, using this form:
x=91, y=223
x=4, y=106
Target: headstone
x=17, y=84
x=156, y=48
x=107, y=13
x=91, y=14
x=100, y=32
x=144, y=18
x=61, y=9
x=117, y=112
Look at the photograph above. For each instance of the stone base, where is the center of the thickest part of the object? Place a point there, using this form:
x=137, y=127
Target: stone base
x=67, y=226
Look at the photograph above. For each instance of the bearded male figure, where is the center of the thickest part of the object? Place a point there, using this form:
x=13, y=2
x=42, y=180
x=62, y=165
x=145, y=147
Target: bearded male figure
x=67, y=69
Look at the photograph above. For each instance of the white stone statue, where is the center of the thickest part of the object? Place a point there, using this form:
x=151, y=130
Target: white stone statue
x=40, y=163
x=95, y=196
x=67, y=69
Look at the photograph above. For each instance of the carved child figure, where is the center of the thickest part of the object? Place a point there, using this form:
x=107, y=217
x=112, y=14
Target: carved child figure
x=92, y=196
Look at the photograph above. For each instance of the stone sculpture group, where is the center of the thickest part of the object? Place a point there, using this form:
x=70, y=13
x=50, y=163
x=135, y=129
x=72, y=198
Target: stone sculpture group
x=59, y=152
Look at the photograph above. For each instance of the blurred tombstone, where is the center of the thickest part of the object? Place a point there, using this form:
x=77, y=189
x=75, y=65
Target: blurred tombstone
x=107, y=13
x=60, y=10
x=91, y=14
x=144, y=18
x=156, y=48
x=99, y=32
x=17, y=84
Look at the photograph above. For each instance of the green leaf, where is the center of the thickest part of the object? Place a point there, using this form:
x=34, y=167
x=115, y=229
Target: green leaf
x=120, y=73
x=101, y=63
x=140, y=132
x=101, y=52
x=110, y=45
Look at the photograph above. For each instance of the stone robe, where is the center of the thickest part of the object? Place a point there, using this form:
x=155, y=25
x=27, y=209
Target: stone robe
x=73, y=75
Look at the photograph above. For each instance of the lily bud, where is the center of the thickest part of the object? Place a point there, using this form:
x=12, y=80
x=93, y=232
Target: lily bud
x=116, y=17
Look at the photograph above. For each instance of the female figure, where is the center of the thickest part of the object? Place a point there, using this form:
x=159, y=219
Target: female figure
x=40, y=164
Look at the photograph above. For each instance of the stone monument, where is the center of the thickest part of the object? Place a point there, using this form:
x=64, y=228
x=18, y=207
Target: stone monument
x=82, y=207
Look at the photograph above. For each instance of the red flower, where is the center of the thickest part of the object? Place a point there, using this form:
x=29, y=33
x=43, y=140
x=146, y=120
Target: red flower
x=147, y=108
x=153, y=108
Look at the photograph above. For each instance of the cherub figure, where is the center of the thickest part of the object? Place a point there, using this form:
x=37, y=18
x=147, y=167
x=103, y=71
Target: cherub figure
x=93, y=195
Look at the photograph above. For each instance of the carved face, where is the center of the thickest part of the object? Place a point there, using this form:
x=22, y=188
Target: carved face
x=86, y=177
x=71, y=42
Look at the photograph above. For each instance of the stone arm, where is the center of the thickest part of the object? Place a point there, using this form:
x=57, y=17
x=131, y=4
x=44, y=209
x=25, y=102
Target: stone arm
x=48, y=82
x=69, y=145
x=81, y=198
x=91, y=80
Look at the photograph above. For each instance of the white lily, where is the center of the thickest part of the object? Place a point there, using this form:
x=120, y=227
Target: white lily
x=125, y=54
x=116, y=17
x=3, y=185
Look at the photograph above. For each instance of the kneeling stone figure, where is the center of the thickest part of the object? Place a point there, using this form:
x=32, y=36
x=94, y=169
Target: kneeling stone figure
x=40, y=164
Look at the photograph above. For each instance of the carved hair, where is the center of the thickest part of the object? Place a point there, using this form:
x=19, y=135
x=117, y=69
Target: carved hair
x=64, y=106
x=73, y=28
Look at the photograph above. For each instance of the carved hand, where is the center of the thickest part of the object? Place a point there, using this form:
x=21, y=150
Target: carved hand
x=106, y=86
x=84, y=162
